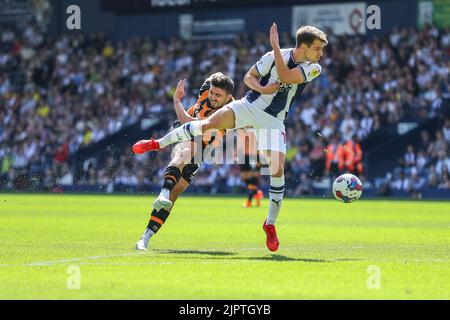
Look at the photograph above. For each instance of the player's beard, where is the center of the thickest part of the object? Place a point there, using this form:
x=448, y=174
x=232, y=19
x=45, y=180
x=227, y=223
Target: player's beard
x=313, y=60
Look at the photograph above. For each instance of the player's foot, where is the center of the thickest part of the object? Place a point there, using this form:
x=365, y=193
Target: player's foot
x=142, y=244
x=271, y=234
x=142, y=146
x=162, y=203
x=248, y=204
x=259, y=195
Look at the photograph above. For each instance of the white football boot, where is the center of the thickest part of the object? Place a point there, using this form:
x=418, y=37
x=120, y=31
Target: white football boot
x=142, y=244
x=162, y=202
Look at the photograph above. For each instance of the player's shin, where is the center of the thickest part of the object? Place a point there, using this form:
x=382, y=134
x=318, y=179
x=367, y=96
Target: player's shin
x=157, y=219
x=276, y=192
x=186, y=132
x=251, y=192
x=171, y=178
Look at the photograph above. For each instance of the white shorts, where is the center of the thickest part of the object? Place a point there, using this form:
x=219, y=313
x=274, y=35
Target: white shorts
x=270, y=131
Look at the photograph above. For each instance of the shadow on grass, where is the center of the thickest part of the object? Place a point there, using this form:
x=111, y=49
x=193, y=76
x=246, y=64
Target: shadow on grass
x=272, y=257
x=281, y=258
x=210, y=253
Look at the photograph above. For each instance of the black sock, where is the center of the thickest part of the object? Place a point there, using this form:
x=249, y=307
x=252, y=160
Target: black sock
x=157, y=219
x=171, y=177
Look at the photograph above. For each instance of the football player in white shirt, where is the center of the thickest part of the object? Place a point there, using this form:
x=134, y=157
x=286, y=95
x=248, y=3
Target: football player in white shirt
x=274, y=82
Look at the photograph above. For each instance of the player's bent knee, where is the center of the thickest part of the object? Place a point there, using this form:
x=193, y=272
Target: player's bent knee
x=177, y=162
x=222, y=119
x=209, y=124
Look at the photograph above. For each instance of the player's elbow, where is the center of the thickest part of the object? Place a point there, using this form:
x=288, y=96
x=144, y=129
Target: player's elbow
x=247, y=78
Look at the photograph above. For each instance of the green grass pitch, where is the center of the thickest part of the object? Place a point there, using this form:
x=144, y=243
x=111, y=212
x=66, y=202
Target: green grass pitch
x=82, y=247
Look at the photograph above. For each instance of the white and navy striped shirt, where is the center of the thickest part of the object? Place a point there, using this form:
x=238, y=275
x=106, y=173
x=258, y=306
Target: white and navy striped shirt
x=278, y=104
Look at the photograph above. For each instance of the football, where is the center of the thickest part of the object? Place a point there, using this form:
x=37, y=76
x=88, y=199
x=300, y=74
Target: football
x=347, y=188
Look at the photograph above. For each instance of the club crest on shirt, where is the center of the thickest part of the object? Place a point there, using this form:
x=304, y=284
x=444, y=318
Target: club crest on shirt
x=313, y=73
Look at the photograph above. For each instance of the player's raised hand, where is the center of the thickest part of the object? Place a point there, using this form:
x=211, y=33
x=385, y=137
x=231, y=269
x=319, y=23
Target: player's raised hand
x=274, y=41
x=270, y=88
x=179, y=92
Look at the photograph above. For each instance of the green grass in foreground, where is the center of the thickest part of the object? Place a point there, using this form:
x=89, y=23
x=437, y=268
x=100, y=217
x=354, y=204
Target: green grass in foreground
x=212, y=248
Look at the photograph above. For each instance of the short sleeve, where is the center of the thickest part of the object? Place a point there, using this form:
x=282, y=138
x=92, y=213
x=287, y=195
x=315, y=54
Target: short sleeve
x=310, y=71
x=264, y=65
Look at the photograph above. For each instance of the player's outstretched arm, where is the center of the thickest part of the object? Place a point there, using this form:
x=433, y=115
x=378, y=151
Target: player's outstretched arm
x=285, y=74
x=182, y=115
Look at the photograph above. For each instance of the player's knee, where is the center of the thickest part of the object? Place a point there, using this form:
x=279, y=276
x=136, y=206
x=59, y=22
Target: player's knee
x=181, y=159
x=277, y=169
x=278, y=173
x=177, y=162
x=209, y=124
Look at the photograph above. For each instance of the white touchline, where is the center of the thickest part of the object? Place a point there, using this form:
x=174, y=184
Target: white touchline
x=49, y=263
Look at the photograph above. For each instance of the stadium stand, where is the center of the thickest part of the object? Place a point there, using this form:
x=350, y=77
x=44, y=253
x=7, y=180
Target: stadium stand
x=61, y=95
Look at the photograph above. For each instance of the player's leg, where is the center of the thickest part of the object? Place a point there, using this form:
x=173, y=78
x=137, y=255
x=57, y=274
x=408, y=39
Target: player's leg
x=162, y=215
x=173, y=185
x=158, y=218
x=224, y=118
x=183, y=154
x=258, y=197
x=276, y=161
x=252, y=188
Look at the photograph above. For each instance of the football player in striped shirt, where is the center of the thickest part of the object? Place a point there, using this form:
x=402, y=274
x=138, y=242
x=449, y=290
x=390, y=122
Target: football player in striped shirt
x=278, y=77
x=215, y=92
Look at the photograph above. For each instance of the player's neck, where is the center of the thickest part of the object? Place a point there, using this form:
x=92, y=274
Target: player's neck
x=298, y=55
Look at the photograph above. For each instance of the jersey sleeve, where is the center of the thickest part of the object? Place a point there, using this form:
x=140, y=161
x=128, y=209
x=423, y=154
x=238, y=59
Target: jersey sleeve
x=310, y=71
x=264, y=65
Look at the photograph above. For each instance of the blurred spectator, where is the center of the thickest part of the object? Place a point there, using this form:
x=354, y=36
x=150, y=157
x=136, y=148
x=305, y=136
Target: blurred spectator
x=353, y=156
x=335, y=157
x=416, y=185
x=402, y=183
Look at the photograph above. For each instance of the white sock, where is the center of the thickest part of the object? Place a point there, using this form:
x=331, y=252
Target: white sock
x=187, y=131
x=276, y=192
x=147, y=235
x=165, y=193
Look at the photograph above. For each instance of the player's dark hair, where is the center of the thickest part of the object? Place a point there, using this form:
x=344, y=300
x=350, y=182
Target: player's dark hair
x=219, y=80
x=307, y=35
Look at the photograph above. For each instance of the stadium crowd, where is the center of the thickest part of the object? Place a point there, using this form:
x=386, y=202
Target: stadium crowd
x=425, y=167
x=58, y=95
